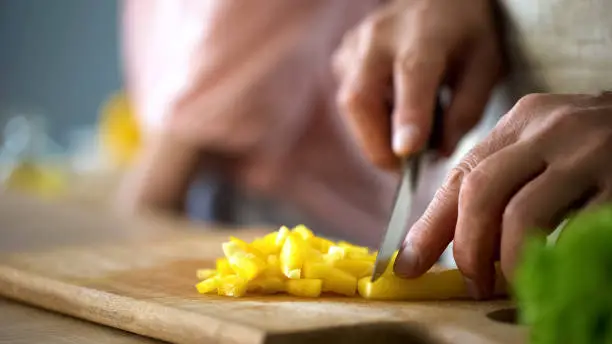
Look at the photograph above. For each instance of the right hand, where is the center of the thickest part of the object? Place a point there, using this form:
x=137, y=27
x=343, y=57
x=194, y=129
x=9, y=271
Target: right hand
x=413, y=47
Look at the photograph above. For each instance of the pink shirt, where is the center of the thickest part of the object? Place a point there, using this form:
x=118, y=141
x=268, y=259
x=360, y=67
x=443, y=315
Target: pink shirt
x=253, y=79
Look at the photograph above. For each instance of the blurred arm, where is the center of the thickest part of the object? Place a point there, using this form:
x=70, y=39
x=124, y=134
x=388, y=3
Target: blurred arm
x=212, y=79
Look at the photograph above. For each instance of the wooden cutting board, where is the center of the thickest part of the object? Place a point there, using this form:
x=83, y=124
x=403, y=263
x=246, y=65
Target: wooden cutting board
x=148, y=288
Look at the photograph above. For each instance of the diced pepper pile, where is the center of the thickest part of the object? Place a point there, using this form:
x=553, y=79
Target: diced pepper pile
x=299, y=263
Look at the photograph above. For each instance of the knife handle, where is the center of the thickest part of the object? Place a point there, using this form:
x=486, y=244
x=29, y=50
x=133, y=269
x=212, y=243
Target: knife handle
x=437, y=128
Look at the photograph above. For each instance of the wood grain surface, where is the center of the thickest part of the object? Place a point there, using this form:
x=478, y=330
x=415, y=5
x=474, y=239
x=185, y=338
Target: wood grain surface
x=34, y=225
x=148, y=288
x=20, y=324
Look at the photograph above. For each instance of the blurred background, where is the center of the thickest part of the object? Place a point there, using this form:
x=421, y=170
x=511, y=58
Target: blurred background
x=59, y=71
x=60, y=57
x=67, y=131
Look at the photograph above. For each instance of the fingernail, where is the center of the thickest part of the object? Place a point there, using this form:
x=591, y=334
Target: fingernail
x=406, y=264
x=405, y=139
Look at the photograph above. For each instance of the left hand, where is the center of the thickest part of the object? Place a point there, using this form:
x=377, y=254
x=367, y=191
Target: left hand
x=550, y=154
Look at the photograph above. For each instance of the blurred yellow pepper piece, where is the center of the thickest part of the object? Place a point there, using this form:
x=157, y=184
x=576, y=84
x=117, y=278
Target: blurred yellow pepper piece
x=119, y=130
x=267, y=285
x=235, y=286
x=246, y=265
x=36, y=179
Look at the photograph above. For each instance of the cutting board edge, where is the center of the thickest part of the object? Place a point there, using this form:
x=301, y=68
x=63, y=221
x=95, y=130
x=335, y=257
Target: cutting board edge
x=93, y=305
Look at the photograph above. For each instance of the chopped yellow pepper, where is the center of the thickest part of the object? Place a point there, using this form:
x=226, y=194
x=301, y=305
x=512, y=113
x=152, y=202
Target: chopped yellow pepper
x=355, y=267
x=205, y=273
x=301, y=264
x=246, y=265
x=232, y=286
x=282, y=235
x=334, y=279
x=223, y=267
x=208, y=285
x=438, y=283
x=267, y=285
x=292, y=256
x=304, y=287
x=320, y=244
x=244, y=246
x=303, y=231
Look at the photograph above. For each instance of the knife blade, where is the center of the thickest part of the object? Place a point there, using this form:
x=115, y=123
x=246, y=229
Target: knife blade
x=396, y=231
x=402, y=207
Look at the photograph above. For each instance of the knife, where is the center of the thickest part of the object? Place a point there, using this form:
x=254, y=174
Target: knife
x=410, y=172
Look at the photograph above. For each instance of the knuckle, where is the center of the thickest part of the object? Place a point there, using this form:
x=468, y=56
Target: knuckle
x=529, y=101
x=412, y=60
x=475, y=181
x=596, y=143
x=375, y=25
x=348, y=100
x=561, y=119
x=456, y=175
x=346, y=54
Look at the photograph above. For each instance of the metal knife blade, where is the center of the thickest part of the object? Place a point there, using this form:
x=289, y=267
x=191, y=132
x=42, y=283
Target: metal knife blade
x=396, y=230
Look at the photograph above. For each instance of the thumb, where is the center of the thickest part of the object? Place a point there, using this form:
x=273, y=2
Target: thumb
x=416, y=81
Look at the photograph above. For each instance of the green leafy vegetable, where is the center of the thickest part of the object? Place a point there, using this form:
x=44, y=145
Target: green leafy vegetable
x=564, y=291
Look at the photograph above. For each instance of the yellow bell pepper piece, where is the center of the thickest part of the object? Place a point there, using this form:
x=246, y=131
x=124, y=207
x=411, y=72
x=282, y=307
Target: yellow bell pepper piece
x=343, y=250
x=303, y=231
x=304, y=287
x=205, y=273
x=246, y=265
x=119, y=129
x=357, y=268
x=273, y=268
x=263, y=246
x=243, y=246
x=232, y=286
x=292, y=256
x=267, y=285
x=353, y=248
x=281, y=236
x=208, y=286
x=230, y=248
x=334, y=279
x=223, y=267
x=320, y=244
x=436, y=284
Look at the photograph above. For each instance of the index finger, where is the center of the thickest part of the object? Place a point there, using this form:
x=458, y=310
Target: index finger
x=362, y=98
x=432, y=233
x=417, y=76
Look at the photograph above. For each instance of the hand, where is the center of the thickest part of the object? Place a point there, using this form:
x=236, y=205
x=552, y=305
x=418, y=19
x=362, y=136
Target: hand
x=550, y=154
x=413, y=47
